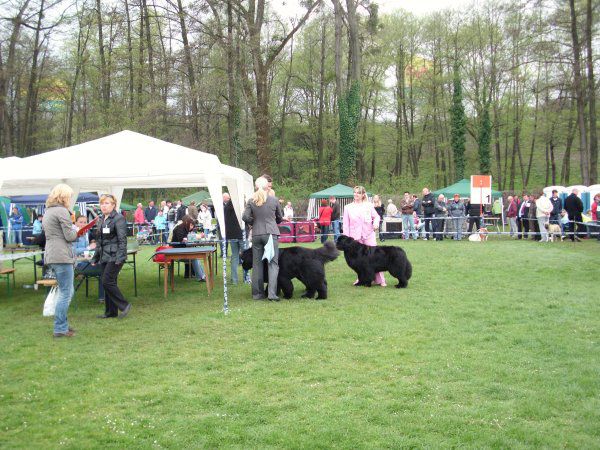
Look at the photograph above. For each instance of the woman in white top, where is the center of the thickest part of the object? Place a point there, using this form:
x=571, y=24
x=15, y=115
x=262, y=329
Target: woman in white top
x=205, y=217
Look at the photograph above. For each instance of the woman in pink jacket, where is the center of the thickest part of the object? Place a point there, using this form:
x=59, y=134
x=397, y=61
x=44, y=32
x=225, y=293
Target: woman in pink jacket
x=360, y=223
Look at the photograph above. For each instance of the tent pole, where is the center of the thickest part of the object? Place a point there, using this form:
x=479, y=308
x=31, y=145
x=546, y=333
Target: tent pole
x=223, y=252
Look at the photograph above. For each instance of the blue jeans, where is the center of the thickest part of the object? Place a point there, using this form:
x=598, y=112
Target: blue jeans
x=324, y=233
x=458, y=227
x=235, y=259
x=198, y=270
x=408, y=226
x=64, y=277
x=16, y=236
x=335, y=224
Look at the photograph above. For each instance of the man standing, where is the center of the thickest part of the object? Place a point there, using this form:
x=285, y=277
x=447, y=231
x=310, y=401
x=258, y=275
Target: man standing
x=193, y=210
x=408, y=223
x=16, y=226
x=441, y=214
x=181, y=210
x=574, y=208
x=523, y=218
x=511, y=213
x=456, y=209
x=233, y=235
x=171, y=215
x=428, y=205
x=556, y=207
x=150, y=214
x=335, y=217
x=543, y=210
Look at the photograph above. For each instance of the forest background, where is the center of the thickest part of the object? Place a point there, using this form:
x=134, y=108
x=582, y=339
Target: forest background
x=338, y=93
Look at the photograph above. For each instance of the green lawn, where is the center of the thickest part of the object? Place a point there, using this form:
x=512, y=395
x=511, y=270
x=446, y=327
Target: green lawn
x=491, y=345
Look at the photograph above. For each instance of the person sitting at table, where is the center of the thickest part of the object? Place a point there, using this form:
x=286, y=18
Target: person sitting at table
x=37, y=226
x=111, y=254
x=180, y=233
x=81, y=246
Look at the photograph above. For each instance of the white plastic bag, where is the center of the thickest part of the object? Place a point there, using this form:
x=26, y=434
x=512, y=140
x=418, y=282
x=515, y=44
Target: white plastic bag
x=50, y=303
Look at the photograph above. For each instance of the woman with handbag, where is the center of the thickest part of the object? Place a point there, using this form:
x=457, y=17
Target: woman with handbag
x=111, y=253
x=60, y=235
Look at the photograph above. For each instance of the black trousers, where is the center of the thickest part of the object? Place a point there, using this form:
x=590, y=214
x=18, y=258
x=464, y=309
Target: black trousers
x=113, y=298
x=523, y=228
x=429, y=225
x=438, y=228
x=474, y=221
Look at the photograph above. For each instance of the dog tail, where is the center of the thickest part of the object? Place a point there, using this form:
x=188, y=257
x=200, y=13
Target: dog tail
x=328, y=252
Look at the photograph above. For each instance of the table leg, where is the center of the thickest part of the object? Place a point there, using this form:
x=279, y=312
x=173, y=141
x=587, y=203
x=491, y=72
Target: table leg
x=211, y=276
x=34, y=270
x=134, y=275
x=165, y=277
x=173, y=277
x=207, y=271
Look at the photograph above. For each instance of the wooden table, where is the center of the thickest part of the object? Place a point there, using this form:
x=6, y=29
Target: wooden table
x=206, y=254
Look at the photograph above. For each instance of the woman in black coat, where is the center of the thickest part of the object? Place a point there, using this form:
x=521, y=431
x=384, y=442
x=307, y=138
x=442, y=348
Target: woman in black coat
x=111, y=254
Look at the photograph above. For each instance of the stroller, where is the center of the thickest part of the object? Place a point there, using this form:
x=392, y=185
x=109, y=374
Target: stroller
x=144, y=234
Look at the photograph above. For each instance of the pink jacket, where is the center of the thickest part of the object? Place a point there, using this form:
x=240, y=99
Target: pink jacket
x=360, y=219
x=138, y=216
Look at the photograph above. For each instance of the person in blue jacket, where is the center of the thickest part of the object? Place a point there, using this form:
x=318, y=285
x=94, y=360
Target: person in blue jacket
x=16, y=226
x=37, y=226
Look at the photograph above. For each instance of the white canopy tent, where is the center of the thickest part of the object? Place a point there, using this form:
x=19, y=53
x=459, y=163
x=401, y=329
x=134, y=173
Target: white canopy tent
x=111, y=164
x=127, y=160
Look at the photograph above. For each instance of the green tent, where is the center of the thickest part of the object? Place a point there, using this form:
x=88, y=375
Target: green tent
x=337, y=191
x=127, y=207
x=462, y=188
x=198, y=197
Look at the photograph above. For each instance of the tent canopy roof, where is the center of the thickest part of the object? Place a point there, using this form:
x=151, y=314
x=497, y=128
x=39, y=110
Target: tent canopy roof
x=126, y=160
x=338, y=191
x=462, y=188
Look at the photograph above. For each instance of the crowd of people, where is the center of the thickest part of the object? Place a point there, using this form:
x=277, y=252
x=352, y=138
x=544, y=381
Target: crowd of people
x=528, y=217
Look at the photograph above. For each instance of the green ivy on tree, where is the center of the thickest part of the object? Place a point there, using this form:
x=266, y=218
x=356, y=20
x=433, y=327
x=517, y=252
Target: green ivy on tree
x=349, y=112
x=458, y=124
x=484, y=139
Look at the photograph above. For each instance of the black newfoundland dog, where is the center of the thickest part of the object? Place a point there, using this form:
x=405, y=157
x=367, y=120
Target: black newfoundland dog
x=366, y=261
x=308, y=265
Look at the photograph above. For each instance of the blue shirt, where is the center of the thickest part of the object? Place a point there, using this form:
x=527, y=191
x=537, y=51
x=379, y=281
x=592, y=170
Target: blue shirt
x=160, y=222
x=81, y=245
x=16, y=221
x=37, y=227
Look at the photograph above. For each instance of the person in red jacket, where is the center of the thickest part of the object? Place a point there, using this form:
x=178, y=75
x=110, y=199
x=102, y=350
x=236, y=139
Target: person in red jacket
x=596, y=213
x=324, y=221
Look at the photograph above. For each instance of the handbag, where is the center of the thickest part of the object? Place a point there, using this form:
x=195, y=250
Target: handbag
x=50, y=303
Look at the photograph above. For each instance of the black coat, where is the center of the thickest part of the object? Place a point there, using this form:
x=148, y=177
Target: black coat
x=232, y=226
x=335, y=214
x=573, y=206
x=556, y=206
x=428, y=204
x=179, y=234
x=111, y=246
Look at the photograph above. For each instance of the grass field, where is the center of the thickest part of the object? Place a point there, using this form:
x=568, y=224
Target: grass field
x=493, y=345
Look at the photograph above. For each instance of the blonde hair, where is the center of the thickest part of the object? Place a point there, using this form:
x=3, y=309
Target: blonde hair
x=361, y=190
x=376, y=200
x=60, y=194
x=111, y=198
x=260, y=195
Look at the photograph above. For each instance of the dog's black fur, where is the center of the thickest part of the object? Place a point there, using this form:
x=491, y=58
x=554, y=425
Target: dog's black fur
x=308, y=265
x=366, y=261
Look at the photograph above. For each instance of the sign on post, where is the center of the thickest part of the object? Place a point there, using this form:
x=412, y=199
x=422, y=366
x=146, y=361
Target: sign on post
x=481, y=189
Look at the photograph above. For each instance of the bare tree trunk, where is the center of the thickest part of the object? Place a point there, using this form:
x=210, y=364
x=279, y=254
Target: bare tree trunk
x=565, y=172
x=190, y=73
x=140, y=79
x=81, y=47
x=284, y=105
x=129, y=61
x=150, y=48
x=103, y=66
x=579, y=95
x=320, y=143
x=591, y=97
x=233, y=106
x=30, y=104
x=535, y=123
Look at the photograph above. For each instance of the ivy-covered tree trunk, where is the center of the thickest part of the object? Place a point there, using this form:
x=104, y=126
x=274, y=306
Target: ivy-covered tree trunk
x=484, y=140
x=458, y=127
x=349, y=112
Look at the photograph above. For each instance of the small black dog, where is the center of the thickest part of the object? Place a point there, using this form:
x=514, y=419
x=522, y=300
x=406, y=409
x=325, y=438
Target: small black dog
x=366, y=261
x=308, y=265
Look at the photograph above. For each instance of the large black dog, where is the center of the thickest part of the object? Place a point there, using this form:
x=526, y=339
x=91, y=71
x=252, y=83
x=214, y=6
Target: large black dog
x=308, y=265
x=366, y=261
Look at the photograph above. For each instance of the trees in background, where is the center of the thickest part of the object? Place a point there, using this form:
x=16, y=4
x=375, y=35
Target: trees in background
x=341, y=93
